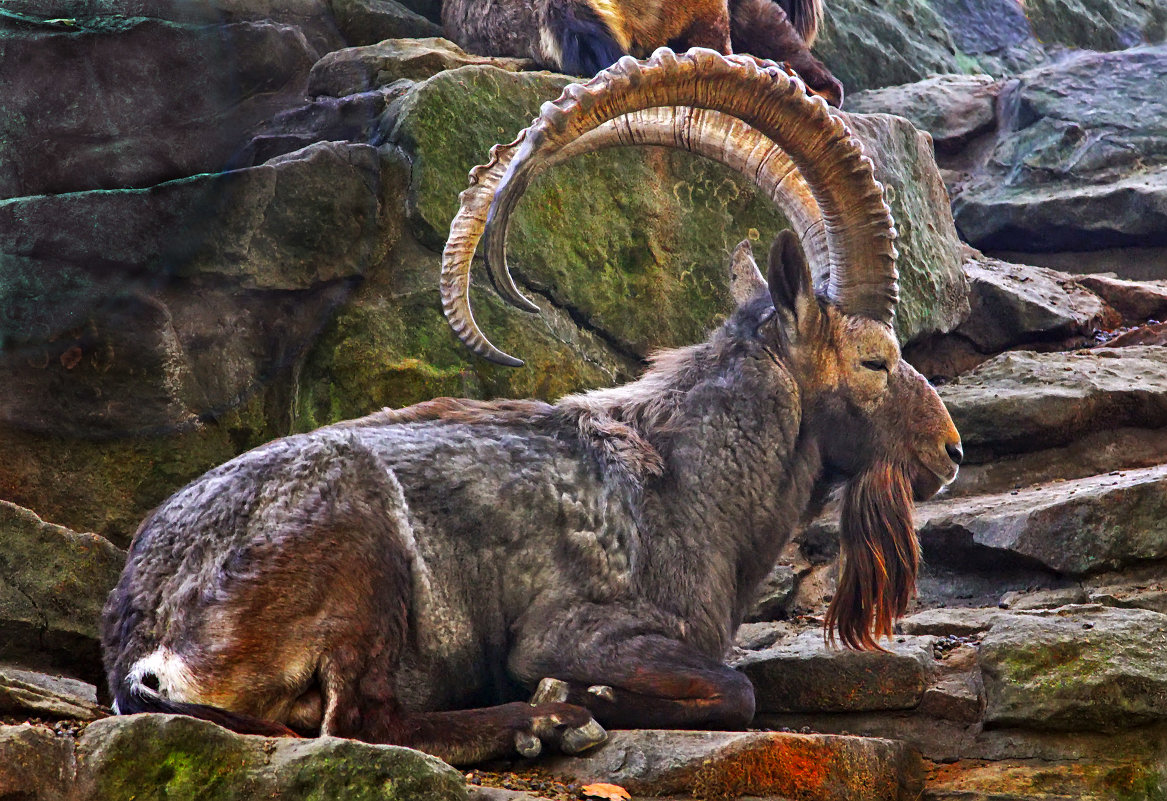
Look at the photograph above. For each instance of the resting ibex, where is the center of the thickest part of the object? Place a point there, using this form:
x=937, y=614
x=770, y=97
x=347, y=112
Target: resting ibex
x=582, y=37
x=381, y=578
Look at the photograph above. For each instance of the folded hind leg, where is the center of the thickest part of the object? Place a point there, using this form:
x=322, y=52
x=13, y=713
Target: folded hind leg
x=360, y=704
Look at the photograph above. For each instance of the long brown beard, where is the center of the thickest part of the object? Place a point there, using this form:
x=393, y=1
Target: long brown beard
x=881, y=557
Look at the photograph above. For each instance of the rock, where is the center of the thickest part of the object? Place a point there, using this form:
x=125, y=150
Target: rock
x=204, y=288
x=53, y=583
x=807, y=675
x=169, y=756
x=1043, y=599
x=1154, y=334
x=365, y=22
x=35, y=764
x=774, y=595
x=1021, y=401
x=952, y=109
x=191, y=325
x=867, y=45
x=994, y=33
x=1136, y=301
x=361, y=69
x=945, y=622
x=759, y=636
x=25, y=692
x=1023, y=780
x=1076, y=668
x=1095, y=25
x=733, y=764
x=933, y=288
x=955, y=698
x=1073, y=527
x=107, y=117
x=671, y=234
x=1073, y=167
x=391, y=346
x=1089, y=455
x=1013, y=304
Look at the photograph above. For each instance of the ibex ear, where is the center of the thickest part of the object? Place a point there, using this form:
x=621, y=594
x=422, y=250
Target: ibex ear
x=790, y=281
x=745, y=279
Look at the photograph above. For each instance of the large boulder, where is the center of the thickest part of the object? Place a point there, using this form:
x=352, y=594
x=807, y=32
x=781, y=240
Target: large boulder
x=1098, y=24
x=147, y=757
x=1023, y=401
x=159, y=329
x=812, y=767
x=53, y=583
x=869, y=45
x=1015, y=304
x=35, y=764
x=808, y=675
x=1087, y=525
x=1076, y=668
x=952, y=109
x=670, y=235
x=42, y=695
x=1071, y=167
x=87, y=106
x=872, y=45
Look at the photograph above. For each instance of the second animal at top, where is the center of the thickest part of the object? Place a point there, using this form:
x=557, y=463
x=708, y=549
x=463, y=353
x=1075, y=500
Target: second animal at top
x=582, y=37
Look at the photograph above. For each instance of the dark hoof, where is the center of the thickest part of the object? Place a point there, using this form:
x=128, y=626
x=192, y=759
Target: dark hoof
x=550, y=691
x=581, y=738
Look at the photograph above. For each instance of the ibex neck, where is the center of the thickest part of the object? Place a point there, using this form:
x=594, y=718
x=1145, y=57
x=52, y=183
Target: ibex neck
x=737, y=475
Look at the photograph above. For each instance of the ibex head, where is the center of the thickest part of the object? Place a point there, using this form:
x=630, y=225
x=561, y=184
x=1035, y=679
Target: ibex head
x=823, y=312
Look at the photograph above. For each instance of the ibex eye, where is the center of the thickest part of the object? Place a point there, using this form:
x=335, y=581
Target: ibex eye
x=874, y=364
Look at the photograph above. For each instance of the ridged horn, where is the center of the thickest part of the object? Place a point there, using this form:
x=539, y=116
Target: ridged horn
x=748, y=114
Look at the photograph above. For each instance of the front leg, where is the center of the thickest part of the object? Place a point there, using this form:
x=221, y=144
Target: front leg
x=645, y=681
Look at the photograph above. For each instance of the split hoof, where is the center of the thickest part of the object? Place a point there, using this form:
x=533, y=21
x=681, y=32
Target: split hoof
x=603, y=692
x=528, y=745
x=581, y=738
x=550, y=691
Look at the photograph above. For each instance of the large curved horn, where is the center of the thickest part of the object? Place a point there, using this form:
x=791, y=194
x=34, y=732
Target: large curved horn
x=750, y=115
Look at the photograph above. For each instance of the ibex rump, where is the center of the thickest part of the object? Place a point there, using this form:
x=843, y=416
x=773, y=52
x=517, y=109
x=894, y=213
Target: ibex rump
x=378, y=578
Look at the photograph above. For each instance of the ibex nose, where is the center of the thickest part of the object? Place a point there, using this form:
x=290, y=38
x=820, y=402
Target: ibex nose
x=955, y=452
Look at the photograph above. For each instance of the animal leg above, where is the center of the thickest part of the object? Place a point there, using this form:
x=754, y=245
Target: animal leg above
x=651, y=681
x=465, y=737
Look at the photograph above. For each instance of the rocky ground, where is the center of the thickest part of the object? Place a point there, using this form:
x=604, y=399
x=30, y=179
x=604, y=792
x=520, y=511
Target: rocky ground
x=221, y=221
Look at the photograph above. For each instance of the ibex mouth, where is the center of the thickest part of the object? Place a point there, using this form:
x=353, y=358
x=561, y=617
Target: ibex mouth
x=929, y=480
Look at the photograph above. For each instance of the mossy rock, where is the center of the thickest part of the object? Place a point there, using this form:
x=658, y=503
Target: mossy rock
x=145, y=757
x=53, y=583
x=634, y=242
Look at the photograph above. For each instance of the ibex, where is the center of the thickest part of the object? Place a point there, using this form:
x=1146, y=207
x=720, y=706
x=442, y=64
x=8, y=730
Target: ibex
x=411, y=576
x=582, y=37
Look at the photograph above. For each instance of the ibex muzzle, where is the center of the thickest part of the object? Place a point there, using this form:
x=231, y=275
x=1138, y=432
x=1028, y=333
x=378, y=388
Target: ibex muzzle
x=410, y=577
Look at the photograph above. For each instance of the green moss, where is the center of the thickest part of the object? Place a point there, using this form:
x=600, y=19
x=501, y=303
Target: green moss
x=647, y=267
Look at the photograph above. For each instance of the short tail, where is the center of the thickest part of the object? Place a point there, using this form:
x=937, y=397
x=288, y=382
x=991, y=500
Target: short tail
x=133, y=696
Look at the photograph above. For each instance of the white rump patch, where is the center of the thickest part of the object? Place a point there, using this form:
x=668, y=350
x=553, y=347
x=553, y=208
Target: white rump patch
x=175, y=679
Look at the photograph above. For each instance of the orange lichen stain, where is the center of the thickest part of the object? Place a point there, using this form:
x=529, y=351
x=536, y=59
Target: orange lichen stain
x=792, y=767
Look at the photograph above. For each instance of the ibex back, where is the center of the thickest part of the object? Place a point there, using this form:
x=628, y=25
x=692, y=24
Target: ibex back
x=410, y=577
